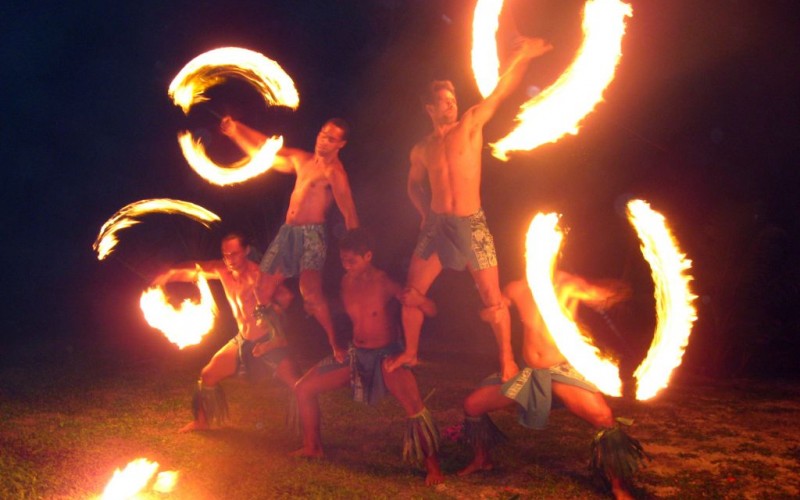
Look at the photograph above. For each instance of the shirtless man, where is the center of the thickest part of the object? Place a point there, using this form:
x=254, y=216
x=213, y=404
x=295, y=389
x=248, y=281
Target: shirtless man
x=453, y=232
x=367, y=293
x=548, y=374
x=300, y=246
x=260, y=342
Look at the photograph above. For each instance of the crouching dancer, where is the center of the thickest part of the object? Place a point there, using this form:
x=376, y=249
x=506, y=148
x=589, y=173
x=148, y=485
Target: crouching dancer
x=366, y=294
x=259, y=346
x=615, y=455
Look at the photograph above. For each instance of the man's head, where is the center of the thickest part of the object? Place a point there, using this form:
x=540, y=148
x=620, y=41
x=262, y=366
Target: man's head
x=332, y=137
x=355, y=250
x=234, y=249
x=440, y=102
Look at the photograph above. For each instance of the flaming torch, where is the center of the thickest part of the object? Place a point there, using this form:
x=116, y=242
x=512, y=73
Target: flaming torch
x=559, y=109
x=485, y=63
x=674, y=300
x=185, y=325
x=543, y=242
x=126, y=217
x=212, y=68
x=674, y=303
x=128, y=483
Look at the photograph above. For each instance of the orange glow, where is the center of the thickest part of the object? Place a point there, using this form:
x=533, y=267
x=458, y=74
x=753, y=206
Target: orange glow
x=131, y=481
x=186, y=325
x=485, y=63
x=165, y=482
x=212, y=68
x=126, y=217
x=543, y=243
x=559, y=109
x=674, y=300
x=674, y=303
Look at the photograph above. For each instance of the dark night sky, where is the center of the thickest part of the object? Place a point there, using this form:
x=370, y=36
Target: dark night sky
x=703, y=121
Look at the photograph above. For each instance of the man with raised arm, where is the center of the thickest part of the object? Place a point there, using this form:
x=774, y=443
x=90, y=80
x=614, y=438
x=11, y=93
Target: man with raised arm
x=453, y=231
x=547, y=376
x=367, y=294
x=300, y=246
x=260, y=342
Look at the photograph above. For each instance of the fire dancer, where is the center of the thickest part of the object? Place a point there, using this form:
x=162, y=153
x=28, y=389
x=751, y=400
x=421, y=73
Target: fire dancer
x=367, y=294
x=615, y=456
x=454, y=232
x=260, y=343
x=300, y=246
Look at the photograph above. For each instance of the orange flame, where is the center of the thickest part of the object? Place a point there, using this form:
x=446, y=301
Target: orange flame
x=674, y=303
x=674, y=300
x=131, y=481
x=212, y=68
x=485, y=63
x=125, y=217
x=543, y=243
x=559, y=109
x=186, y=325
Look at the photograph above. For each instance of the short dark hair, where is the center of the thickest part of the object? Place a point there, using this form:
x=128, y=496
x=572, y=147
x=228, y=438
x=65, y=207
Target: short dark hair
x=429, y=97
x=342, y=124
x=358, y=241
x=236, y=235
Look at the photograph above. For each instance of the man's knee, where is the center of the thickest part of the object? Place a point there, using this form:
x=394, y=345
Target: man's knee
x=313, y=300
x=602, y=416
x=496, y=314
x=208, y=376
x=473, y=406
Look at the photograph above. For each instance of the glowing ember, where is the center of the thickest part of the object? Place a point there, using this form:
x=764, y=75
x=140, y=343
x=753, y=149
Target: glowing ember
x=212, y=68
x=186, y=325
x=485, y=63
x=542, y=246
x=126, y=217
x=165, y=482
x=131, y=481
x=559, y=109
x=674, y=300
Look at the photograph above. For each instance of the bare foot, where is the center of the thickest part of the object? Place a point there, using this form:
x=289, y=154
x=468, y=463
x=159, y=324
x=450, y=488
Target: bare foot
x=404, y=359
x=304, y=453
x=194, y=425
x=476, y=466
x=619, y=492
x=435, y=475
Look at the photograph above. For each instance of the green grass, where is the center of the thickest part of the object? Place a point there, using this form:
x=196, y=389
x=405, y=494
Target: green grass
x=65, y=426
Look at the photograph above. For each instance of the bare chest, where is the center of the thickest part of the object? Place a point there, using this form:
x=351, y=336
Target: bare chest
x=311, y=176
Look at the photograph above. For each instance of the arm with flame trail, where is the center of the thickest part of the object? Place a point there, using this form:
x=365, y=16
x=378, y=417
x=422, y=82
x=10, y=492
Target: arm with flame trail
x=251, y=141
x=529, y=48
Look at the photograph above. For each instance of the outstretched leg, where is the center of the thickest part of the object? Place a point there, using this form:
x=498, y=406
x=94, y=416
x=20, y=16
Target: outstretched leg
x=307, y=391
x=592, y=407
x=421, y=275
x=209, y=405
x=402, y=384
x=479, y=431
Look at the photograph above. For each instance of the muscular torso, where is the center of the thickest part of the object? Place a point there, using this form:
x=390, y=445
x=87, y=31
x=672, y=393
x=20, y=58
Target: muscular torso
x=366, y=299
x=538, y=348
x=240, y=291
x=312, y=194
x=453, y=163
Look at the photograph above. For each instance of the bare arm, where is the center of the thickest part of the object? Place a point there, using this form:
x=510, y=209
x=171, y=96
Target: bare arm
x=188, y=272
x=529, y=48
x=340, y=187
x=416, y=183
x=250, y=141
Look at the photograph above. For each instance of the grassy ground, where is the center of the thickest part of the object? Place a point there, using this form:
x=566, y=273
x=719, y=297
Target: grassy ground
x=69, y=420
